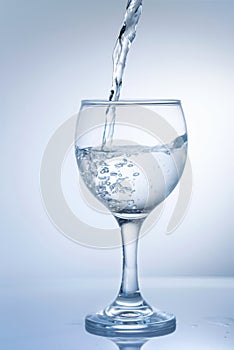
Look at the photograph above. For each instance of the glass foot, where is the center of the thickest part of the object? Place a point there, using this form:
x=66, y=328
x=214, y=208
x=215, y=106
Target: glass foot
x=131, y=324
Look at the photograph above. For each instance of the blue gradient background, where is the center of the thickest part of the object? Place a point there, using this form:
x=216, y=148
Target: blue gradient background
x=50, y=50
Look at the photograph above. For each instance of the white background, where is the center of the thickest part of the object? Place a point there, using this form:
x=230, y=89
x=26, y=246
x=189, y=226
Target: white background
x=55, y=53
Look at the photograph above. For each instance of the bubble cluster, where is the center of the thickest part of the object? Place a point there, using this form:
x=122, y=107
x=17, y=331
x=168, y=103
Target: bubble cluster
x=111, y=177
x=131, y=179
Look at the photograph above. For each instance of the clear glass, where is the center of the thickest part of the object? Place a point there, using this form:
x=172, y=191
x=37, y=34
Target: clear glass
x=130, y=167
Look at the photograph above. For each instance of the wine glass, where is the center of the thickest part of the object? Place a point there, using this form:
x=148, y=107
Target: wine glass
x=130, y=155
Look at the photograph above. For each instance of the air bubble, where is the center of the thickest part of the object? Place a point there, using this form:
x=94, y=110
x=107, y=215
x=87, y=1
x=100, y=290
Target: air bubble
x=100, y=188
x=119, y=165
x=103, y=194
x=104, y=170
x=102, y=177
x=102, y=163
x=113, y=173
x=136, y=174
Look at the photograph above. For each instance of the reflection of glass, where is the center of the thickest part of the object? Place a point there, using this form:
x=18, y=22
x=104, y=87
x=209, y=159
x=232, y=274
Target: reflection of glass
x=129, y=343
x=135, y=170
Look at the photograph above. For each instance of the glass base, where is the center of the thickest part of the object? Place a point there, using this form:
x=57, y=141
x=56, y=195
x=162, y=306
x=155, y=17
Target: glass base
x=157, y=324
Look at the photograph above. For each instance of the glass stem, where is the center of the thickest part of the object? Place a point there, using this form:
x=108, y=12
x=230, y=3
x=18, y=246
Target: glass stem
x=130, y=347
x=129, y=302
x=130, y=234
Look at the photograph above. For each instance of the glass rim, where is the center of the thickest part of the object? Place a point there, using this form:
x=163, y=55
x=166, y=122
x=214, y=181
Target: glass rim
x=165, y=102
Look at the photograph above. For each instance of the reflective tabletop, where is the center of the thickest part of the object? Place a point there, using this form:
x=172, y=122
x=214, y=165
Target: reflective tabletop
x=49, y=314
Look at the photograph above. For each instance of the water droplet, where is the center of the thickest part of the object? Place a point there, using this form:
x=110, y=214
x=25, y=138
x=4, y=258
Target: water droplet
x=136, y=174
x=194, y=325
x=120, y=175
x=113, y=173
x=130, y=165
x=134, y=207
x=220, y=321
